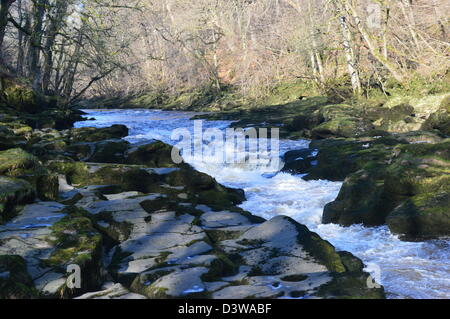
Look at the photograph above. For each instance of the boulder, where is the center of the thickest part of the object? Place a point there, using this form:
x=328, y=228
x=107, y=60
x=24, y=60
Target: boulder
x=408, y=193
x=15, y=282
x=8, y=139
x=109, y=151
x=13, y=193
x=14, y=162
x=440, y=120
x=92, y=134
x=422, y=216
x=342, y=127
x=300, y=161
x=399, y=118
x=49, y=237
x=18, y=163
x=361, y=200
x=19, y=97
x=156, y=154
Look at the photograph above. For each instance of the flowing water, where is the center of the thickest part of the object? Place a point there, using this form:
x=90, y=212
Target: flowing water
x=405, y=269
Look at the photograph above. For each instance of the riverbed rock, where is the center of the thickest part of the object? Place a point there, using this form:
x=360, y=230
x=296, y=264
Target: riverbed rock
x=15, y=282
x=20, y=164
x=337, y=158
x=92, y=134
x=49, y=237
x=341, y=121
x=13, y=194
x=109, y=151
x=422, y=216
x=162, y=245
x=155, y=154
x=300, y=161
x=440, y=119
x=407, y=192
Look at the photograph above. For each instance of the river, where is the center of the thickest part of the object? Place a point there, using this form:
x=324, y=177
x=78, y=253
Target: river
x=405, y=269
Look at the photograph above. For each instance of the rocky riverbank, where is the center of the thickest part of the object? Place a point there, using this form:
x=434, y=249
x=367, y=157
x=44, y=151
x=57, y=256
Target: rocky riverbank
x=139, y=226
x=393, y=158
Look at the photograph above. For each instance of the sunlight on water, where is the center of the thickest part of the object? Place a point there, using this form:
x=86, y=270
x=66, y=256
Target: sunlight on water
x=408, y=270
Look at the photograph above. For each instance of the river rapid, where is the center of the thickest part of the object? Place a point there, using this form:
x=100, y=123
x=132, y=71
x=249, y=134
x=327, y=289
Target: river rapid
x=405, y=269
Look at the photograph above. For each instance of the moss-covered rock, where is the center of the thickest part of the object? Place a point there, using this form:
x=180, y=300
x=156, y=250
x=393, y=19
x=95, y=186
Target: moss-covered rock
x=440, y=120
x=156, y=154
x=407, y=192
x=300, y=161
x=18, y=163
x=109, y=151
x=13, y=192
x=77, y=243
x=351, y=286
x=8, y=139
x=57, y=118
x=14, y=162
x=15, y=282
x=77, y=173
x=92, y=134
x=205, y=189
x=362, y=200
x=338, y=158
x=422, y=216
x=399, y=118
x=20, y=97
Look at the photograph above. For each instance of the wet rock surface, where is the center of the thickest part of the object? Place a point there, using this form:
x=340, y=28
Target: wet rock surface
x=400, y=180
x=140, y=226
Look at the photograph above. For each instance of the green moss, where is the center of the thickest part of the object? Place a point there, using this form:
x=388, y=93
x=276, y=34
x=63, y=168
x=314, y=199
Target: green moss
x=220, y=267
x=287, y=92
x=16, y=282
x=77, y=173
x=76, y=240
x=13, y=193
x=92, y=134
x=157, y=154
x=320, y=249
x=14, y=161
x=350, y=286
x=20, y=97
x=422, y=216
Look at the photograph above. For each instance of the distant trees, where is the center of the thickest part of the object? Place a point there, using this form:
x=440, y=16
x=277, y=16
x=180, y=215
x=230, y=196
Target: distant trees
x=75, y=47
x=63, y=46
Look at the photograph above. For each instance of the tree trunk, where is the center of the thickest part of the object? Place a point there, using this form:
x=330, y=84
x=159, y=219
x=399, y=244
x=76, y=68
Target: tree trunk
x=315, y=56
x=4, y=10
x=410, y=21
x=72, y=68
x=23, y=38
x=396, y=73
x=39, y=9
x=350, y=56
x=55, y=25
